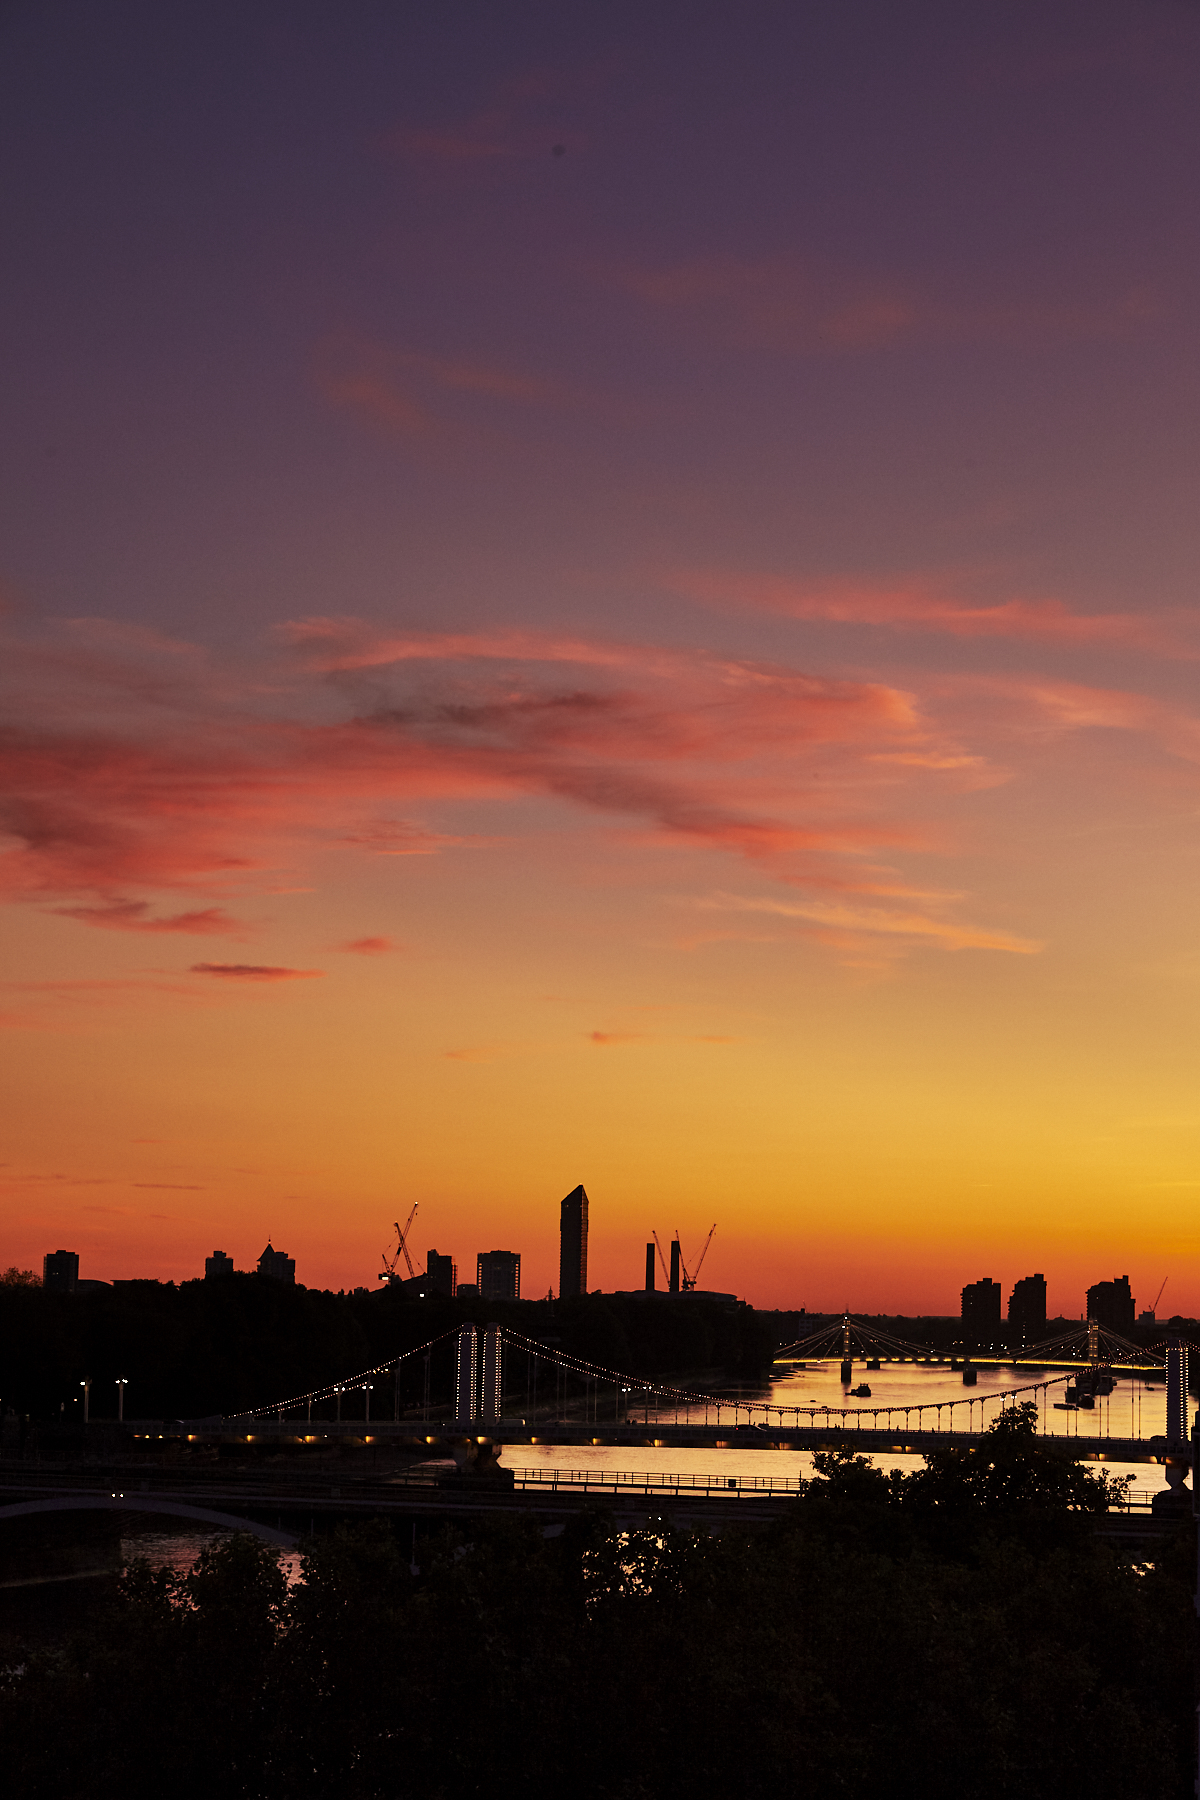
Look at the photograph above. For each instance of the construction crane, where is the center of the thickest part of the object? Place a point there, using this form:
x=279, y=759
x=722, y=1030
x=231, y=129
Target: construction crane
x=691, y=1280
x=687, y=1282
x=1159, y=1295
x=388, y=1272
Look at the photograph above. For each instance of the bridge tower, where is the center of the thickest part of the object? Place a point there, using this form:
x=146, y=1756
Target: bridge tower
x=847, y=1358
x=466, y=1405
x=493, y=1373
x=1177, y=1393
x=1094, y=1342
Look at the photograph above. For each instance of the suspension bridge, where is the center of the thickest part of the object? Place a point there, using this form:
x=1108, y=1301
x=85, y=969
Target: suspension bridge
x=509, y=1389
x=437, y=1456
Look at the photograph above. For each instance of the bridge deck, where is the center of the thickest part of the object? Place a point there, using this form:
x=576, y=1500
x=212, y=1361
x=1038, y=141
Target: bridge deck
x=437, y=1438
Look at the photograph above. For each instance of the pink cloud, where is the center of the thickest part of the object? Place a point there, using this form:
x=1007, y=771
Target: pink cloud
x=514, y=127
x=843, y=918
x=806, y=308
x=222, y=778
x=413, y=392
x=481, y=142
x=254, y=972
x=370, y=946
x=616, y=1037
x=133, y=915
x=912, y=606
x=399, y=837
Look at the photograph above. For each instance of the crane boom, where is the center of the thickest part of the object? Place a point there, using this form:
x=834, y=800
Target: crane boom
x=708, y=1240
x=403, y=1236
x=1159, y=1294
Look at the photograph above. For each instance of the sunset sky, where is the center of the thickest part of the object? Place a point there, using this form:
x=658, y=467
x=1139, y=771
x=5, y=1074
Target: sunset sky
x=603, y=593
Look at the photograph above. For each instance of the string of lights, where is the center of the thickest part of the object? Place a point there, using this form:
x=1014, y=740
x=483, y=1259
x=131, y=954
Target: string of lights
x=831, y=1336
x=684, y=1396
x=688, y=1399
x=330, y=1391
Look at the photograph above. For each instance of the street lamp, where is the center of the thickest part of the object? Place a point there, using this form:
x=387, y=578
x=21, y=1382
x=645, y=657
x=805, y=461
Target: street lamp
x=367, y=1385
x=122, y=1384
x=87, y=1389
x=338, y=1392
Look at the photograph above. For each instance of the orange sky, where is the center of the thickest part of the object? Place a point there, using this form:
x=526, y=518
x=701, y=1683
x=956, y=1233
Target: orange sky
x=582, y=615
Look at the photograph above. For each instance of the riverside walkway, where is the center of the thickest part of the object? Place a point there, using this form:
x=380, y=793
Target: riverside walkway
x=285, y=1505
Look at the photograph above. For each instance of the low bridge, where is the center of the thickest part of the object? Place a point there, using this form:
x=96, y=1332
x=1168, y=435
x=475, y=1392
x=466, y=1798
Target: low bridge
x=283, y=1506
x=449, y=1437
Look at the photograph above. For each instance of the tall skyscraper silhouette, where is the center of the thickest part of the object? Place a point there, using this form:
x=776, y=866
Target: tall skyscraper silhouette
x=981, y=1310
x=1027, y=1310
x=1112, y=1304
x=572, y=1253
x=498, y=1274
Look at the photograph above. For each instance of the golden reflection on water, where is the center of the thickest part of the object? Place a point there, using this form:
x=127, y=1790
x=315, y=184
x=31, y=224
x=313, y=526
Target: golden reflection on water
x=1134, y=1409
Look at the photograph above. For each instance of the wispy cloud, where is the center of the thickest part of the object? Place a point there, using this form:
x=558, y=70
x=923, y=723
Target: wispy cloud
x=254, y=972
x=918, y=606
x=875, y=921
x=418, y=394
x=369, y=946
x=519, y=124
x=806, y=308
x=221, y=779
x=477, y=1053
x=135, y=915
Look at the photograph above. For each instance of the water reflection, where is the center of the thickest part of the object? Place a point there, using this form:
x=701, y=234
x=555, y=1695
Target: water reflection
x=178, y=1550
x=932, y=1396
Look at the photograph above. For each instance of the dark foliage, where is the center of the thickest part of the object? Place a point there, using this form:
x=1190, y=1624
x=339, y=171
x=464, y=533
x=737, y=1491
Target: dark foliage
x=962, y=1634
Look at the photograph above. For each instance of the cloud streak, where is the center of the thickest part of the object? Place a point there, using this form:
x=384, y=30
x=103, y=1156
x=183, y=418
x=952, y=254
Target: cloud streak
x=920, y=607
x=219, y=780
x=135, y=915
x=803, y=308
x=420, y=395
x=863, y=921
x=254, y=972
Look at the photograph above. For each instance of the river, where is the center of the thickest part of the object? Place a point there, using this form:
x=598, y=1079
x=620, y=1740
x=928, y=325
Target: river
x=1136, y=1408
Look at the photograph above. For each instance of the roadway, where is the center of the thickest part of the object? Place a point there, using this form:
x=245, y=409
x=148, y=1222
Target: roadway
x=440, y=1438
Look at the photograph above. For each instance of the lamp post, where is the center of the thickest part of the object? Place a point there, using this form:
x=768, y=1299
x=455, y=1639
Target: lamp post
x=367, y=1403
x=338, y=1392
x=87, y=1390
x=122, y=1384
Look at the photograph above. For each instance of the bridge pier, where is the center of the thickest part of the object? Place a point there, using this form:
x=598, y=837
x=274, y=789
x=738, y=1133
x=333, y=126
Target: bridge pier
x=477, y=1460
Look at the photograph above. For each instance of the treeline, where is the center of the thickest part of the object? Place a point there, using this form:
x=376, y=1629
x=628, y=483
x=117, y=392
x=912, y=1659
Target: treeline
x=961, y=1634
x=244, y=1341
